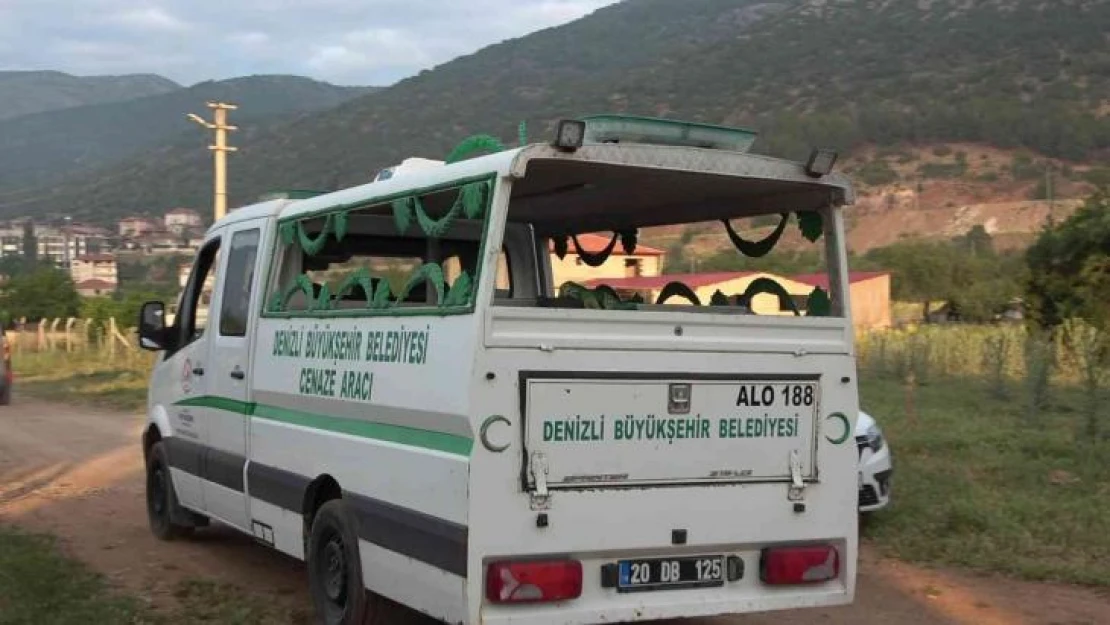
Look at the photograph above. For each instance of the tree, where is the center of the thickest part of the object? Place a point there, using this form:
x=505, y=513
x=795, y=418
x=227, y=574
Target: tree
x=30, y=243
x=977, y=241
x=922, y=270
x=124, y=305
x=965, y=273
x=44, y=293
x=16, y=265
x=1069, y=267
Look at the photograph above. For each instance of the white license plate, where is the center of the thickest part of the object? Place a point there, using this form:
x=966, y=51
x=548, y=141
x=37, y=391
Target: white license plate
x=670, y=573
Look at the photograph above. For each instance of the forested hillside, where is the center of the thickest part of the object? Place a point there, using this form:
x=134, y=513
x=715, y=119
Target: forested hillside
x=1008, y=73
x=36, y=149
x=29, y=92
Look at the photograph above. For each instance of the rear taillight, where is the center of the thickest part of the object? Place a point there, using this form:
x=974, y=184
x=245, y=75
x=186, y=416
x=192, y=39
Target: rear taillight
x=533, y=582
x=799, y=565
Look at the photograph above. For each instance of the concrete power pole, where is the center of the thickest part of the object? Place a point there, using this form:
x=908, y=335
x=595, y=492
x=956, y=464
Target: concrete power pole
x=219, y=151
x=67, y=259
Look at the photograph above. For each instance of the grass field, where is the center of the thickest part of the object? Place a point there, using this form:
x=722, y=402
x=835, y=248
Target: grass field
x=39, y=585
x=993, y=471
x=978, y=485
x=87, y=377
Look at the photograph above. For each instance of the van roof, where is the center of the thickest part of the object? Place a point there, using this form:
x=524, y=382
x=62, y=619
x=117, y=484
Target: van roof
x=514, y=162
x=269, y=208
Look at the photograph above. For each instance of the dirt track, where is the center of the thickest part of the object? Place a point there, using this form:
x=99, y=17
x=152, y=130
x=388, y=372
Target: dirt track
x=77, y=473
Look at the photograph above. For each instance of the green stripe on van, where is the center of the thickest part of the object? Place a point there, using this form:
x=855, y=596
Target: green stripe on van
x=413, y=437
x=219, y=403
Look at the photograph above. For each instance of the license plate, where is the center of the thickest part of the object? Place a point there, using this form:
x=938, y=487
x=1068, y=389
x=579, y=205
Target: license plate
x=670, y=573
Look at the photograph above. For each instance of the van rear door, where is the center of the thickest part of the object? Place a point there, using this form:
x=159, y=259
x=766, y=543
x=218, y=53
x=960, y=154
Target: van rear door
x=612, y=429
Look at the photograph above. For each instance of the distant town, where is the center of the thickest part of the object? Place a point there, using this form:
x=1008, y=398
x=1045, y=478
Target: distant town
x=91, y=253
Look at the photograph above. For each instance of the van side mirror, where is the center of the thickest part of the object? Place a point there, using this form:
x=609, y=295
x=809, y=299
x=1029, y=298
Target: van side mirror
x=152, y=327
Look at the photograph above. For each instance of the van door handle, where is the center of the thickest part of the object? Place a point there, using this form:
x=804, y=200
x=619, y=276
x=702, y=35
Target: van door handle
x=238, y=374
x=198, y=370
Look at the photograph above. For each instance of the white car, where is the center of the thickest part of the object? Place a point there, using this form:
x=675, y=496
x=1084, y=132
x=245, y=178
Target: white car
x=875, y=467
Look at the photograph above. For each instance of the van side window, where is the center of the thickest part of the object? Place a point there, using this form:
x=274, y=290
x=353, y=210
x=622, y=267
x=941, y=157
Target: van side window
x=196, y=299
x=238, y=279
x=420, y=251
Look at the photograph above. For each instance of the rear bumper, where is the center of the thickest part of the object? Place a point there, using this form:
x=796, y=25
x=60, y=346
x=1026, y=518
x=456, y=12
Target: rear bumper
x=747, y=595
x=604, y=527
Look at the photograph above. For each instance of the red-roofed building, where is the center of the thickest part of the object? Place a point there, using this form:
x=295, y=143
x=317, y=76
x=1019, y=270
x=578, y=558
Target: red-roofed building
x=95, y=267
x=822, y=279
x=180, y=220
x=644, y=261
x=95, y=288
x=137, y=226
x=656, y=283
x=869, y=291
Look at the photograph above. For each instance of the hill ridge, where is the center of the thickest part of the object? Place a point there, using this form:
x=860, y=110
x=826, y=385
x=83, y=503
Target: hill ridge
x=40, y=148
x=849, y=75
x=26, y=92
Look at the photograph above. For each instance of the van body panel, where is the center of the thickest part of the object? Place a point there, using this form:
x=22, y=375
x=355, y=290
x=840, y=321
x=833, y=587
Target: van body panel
x=468, y=415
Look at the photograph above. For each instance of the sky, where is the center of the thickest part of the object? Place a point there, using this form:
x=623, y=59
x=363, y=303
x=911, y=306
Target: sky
x=350, y=42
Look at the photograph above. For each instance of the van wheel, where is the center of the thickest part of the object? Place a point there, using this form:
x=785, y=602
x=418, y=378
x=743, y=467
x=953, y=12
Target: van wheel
x=335, y=570
x=161, y=500
x=6, y=397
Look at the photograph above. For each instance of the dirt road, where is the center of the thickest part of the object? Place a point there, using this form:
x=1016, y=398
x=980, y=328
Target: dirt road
x=77, y=473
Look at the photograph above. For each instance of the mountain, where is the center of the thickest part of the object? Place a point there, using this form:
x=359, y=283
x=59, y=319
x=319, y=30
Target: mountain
x=26, y=93
x=1015, y=74
x=35, y=149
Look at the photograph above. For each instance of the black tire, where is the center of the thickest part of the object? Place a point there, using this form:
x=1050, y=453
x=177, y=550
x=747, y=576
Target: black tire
x=335, y=570
x=6, y=396
x=161, y=500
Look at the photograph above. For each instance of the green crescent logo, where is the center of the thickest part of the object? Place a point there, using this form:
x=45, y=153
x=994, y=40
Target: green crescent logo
x=847, y=428
x=484, y=433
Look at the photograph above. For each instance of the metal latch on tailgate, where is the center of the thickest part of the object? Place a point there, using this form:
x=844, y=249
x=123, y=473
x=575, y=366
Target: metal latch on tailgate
x=537, y=467
x=797, y=486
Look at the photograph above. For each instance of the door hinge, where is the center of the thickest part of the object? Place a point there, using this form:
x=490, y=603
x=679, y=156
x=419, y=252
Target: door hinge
x=797, y=486
x=538, y=469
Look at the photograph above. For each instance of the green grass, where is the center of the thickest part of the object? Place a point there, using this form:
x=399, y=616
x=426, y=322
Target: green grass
x=212, y=602
x=41, y=586
x=85, y=377
x=977, y=485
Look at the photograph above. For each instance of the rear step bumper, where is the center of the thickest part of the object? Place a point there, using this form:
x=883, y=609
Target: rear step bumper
x=598, y=604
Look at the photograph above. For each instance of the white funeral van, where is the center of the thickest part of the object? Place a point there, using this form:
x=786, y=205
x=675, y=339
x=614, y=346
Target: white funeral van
x=416, y=386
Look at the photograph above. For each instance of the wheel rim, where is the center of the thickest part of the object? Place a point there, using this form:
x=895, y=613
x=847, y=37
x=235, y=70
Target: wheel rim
x=157, y=487
x=335, y=582
x=331, y=570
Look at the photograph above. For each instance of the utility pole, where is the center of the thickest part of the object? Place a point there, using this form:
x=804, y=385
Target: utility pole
x=219, y=151
x=1048, y=190
x=66, y=257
